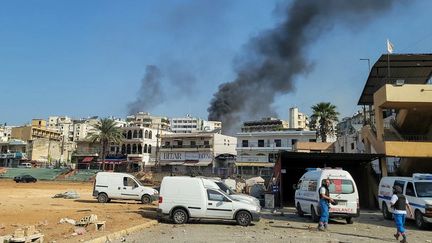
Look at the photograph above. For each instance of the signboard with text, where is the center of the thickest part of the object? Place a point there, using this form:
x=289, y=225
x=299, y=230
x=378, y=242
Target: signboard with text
x=186, y=156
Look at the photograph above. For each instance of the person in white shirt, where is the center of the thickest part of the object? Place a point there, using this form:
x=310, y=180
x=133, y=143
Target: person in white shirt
x=400, y=206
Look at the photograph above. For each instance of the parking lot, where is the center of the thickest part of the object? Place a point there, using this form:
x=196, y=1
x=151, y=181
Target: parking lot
x=370, y=227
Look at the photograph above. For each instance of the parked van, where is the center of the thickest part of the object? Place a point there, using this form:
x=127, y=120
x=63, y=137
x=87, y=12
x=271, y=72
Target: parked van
x=417, y=189
x=237, y=196
x=25, y=165
x=342, y=189
x=110, y=185
x=182, y=198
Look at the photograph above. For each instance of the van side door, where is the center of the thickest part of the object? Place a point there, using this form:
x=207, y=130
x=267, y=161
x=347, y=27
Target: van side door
x=411, y=195
x=130, y=189
x=218, y=206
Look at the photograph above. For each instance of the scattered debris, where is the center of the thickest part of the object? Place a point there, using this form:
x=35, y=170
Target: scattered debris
x=67, y=195
x=79, y=231
x=66, y=220
x=28, y=234
x=87, y=220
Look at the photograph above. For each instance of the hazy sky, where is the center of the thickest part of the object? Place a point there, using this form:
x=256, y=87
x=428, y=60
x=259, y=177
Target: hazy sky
x=83, y=58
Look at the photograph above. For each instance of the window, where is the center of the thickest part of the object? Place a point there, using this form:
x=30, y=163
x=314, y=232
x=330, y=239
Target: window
x=278, y=142
x=127, y=181
x=180, y=143
x=424, y=189
x=167, y=144
x=312, y=186
x=340, y=186
x=215, y=196
x=399, y=183
x=193, y=143
x=260, y=143
x=207, y=143
x=352, y=146
x=409, y=191
x=342, y=149
x=245, y=143
x=293, y=141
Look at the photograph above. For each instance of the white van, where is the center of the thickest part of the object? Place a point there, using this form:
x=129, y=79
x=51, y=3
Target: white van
x=417, y=189
x=182, y=198
x=25, y=165
x=237, y=196
x=342, y=189
x=110, y=185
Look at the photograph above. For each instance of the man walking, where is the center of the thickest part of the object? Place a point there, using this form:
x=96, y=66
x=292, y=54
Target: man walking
x=400, y=206
x=324, y=201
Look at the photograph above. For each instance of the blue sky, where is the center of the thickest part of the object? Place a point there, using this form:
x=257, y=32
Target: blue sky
x=83, y=58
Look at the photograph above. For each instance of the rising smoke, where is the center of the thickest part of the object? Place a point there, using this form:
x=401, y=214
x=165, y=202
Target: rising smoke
x=277, y=56
x=150, y=92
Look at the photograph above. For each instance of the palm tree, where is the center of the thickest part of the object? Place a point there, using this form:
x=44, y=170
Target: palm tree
x=108, y=132
x=323, y=118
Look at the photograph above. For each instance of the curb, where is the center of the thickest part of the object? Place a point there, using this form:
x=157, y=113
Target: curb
x=119, y=234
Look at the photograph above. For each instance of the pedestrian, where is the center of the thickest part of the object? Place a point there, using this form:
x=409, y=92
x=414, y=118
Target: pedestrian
x=400, y=205
x=325, y=200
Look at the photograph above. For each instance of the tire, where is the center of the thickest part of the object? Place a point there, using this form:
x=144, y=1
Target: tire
x=419, y=221
x=314, y=215
x=349, y=220
x=299, y=210
x=385, y=212
x=102, y=198
x=180, y=216
x=146, y=199
x=243, y=218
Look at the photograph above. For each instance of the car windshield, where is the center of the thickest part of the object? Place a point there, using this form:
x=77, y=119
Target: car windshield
x=341, y=186
x=424, y=189
x=224, y=187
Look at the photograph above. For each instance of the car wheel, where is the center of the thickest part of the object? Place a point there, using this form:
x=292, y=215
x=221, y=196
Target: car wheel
x=243, y=218
x=299, y=210
x=421, y=224
x=314, y=215
x=349, y=220
x=146, y=199
x=102, y=198
x=180, y=216
x=385, y=212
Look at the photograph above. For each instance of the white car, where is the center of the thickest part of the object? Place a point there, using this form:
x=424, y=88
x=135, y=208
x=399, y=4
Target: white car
x=417, y=189
x=182, y=198
x=342, y=189
x=110, y=185
x=237, y=196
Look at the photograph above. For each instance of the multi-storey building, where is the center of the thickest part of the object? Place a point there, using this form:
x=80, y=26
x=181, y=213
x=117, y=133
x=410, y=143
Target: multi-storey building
x=12, y=152
x=84, y=127
x=191, y=124
x=201, y=152
x=43, y=144
x=257, y=151
x=349, y=139
x=265, y=124
x=298, y=120
x=397, y=98
x=5, y=133
x=144, y=119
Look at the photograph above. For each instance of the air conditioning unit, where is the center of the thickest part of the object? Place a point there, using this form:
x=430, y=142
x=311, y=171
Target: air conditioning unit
x=399, y=82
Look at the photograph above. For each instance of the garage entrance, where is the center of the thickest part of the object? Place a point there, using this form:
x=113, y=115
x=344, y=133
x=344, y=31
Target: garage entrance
x=292, y=165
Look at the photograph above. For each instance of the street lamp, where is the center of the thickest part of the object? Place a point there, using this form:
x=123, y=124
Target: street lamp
x=368, y=60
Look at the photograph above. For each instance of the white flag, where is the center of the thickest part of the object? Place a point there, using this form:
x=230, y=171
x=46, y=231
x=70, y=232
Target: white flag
x=389, y=46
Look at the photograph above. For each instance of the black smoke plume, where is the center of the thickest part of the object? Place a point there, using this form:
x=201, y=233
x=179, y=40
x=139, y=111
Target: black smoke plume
x=275, y=57
x=150, y=92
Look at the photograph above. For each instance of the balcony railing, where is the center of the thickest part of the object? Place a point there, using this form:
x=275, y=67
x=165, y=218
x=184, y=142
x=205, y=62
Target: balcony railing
x=185, y=146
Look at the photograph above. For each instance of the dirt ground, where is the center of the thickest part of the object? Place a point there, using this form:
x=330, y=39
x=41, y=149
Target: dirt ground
x=25, y=204
x=370, y=227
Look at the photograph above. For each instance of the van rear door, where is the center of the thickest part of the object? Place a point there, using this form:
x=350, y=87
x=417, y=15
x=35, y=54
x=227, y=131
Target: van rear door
x=218, y=206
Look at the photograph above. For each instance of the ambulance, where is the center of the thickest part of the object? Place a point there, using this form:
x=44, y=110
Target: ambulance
x=417, y=189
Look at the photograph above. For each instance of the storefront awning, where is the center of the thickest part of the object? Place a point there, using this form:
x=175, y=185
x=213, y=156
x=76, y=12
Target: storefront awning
x=201, y=163
x=87, y=160
x=257, y=164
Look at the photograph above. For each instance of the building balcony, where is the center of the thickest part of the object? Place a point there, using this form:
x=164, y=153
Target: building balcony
x=403, y=96
x=263, y=148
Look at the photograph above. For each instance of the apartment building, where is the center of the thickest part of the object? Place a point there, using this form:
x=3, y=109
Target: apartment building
x=189, y=124
x=144, y=119
x=298, y=120
x=12, y=152
x=200, y=152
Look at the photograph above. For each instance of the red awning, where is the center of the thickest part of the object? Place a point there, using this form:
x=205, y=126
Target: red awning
x=87, y=160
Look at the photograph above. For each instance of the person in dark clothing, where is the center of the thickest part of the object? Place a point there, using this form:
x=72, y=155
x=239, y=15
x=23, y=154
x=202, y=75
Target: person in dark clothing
x=325, y=200
x=400, y=206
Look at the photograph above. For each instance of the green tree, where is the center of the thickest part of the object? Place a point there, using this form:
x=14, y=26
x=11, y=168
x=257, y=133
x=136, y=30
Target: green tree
x=108, y=132
x=323, y=119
